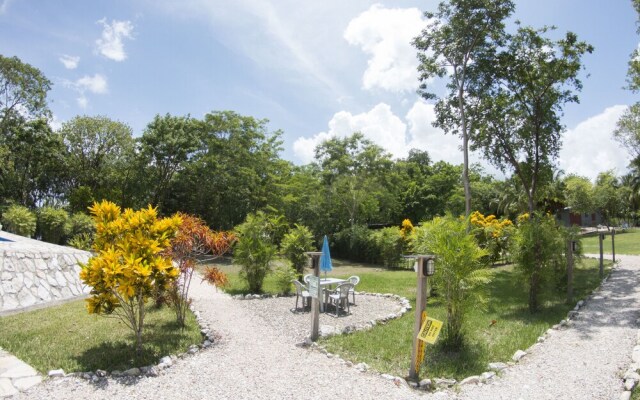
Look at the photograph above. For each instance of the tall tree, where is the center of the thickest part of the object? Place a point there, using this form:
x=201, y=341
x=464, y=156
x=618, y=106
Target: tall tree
x=23, y=91
x=523, y=92
x=459, y=34
x=99, y=156
x=579, y=194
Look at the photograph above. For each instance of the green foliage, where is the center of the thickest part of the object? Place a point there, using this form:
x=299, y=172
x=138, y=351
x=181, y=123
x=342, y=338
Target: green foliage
x=52, y=223
x=283, y=275
x=294, y=245
x=254, y=249
x=80, y=199
x=79, y=224
x=19, y=220
x=390, y=244
x=579, y=194
x=461, y=276
x=354, y=244
x=23, y=91
x=82, y=241
x=538, y=250
x=606, y=196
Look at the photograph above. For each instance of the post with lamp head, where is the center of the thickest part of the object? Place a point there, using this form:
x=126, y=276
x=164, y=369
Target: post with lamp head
x=425, y=267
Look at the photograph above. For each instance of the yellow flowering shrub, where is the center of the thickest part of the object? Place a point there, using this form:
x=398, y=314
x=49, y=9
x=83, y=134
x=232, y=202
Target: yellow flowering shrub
x=493, y=234
x=129, y=265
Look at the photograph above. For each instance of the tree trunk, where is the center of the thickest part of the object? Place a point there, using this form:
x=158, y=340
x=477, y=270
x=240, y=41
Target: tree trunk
x=534, y=287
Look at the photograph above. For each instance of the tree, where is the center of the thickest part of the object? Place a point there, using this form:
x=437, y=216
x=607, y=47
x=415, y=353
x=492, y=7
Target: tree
x=459, y=34
x=461, y=276
x=254, y=250
x=193, y=243
x=294, y=245
x=523, y=92
x=99, y=155
x=166, y=145
x=627, y=130
x=23, y=92
x=606, y=195
x=19, y=220
x=633, y=73
x=130, y=266
x=579, y=194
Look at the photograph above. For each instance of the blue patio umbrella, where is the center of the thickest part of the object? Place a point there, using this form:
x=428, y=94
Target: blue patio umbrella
x=325, y=257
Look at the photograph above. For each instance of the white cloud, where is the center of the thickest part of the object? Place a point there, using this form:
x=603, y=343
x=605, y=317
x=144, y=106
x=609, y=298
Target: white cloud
x=424, y=136
x=69, y=62
x=110, y=44
x=96, y=84
x=386, y=34
x=589, y=148
x=380, y=125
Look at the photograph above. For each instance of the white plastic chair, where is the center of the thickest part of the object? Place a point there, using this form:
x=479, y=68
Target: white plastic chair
x=306, y=278
x=354, y=280
x=340, y=297
x=301, y=291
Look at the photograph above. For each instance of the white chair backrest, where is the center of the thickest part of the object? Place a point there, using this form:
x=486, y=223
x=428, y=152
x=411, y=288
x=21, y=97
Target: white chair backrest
x=354, y=280
x=299, y=286
x=344, y=288
x=306, y=278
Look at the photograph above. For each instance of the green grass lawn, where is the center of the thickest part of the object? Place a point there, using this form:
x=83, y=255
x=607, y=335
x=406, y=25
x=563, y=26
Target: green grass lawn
x=626, y=243
x=387, y=348
x=67, y=337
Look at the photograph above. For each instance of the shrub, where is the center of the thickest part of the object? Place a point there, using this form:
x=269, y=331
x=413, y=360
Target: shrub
x=193, y=243
x=82, y=241
x=254, y=250
x=461, y=277
x=389, y=243
x=294, y=245
x=78, y=224
x=283, y=277
x=215, y=277
x=51, y=224
x=537, y=249
x=493, y=235
x=130, y=266
x=19, y=220
x=355, y=244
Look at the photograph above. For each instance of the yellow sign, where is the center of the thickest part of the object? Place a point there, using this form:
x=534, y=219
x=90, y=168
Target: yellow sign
x=430, y=330
x=421, y=344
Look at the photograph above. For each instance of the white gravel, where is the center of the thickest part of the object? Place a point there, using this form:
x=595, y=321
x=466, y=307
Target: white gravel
x=256, y=357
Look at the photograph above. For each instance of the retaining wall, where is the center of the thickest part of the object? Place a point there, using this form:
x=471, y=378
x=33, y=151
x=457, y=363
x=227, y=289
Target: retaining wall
x=35, y=273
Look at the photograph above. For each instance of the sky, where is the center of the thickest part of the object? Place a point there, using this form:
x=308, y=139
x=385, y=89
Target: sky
x=314, y=69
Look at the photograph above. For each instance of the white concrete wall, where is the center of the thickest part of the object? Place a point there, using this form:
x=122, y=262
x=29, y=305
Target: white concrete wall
x=35, y=273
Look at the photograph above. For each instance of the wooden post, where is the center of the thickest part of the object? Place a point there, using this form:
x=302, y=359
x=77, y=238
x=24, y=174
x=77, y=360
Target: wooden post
x=421, y=303
x=601, y=236
x=613, y=244
x=315, y=305
x=570, y=271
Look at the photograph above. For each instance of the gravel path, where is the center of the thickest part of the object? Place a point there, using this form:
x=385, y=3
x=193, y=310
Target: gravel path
x=256, y=357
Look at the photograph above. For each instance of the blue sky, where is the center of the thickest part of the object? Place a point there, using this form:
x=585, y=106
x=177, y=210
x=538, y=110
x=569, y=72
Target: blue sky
x=315, y=69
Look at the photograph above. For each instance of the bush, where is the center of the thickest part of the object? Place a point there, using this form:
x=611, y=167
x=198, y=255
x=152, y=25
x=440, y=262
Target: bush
x=493, y=235
x=283, y=277
x=79, y=224
x=51, y=224
x=355, y=244
x=389, y=243
x=130, y=266
x=461, y=277
x=538, y=251
x=19, y=220
x=82, y=241
x=254, y=250
x=294, y=245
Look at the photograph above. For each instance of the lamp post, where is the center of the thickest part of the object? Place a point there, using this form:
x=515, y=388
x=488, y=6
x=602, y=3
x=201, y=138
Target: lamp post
x=425, y=267
x=315, y=305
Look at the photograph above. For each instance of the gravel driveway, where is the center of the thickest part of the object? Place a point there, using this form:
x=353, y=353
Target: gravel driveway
x=256, y=357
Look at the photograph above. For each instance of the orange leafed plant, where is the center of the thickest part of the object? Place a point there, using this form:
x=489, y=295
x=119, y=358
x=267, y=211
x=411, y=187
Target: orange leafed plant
x=214, y=276
x=194, y=243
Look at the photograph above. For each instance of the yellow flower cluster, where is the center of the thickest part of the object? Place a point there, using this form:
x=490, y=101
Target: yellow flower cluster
x=490, y=223
x=407, y=228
